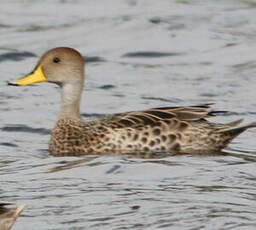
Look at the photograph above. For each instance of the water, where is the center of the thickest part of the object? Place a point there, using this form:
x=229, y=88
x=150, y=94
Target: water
x=141, y=54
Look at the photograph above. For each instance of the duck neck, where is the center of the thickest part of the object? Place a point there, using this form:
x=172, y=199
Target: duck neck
x=70, y=101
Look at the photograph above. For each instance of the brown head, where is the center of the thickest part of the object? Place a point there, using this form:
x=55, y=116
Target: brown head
x=59, y=65
x=65, y=67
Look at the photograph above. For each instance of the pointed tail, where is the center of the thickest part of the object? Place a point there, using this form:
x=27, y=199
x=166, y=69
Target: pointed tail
x=235, y=131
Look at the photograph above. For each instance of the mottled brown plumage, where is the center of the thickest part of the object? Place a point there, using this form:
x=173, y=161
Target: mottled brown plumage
x=169, y=129
x=8, y=216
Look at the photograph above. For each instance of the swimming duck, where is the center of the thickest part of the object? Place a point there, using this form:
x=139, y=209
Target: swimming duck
x=8, y=216
x=167, y=129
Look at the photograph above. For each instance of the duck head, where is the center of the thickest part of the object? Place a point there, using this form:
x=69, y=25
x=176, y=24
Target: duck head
x=62, y=65
x=65, y=67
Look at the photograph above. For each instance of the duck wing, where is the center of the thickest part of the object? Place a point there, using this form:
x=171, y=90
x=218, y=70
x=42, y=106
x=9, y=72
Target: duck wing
x=152, y=116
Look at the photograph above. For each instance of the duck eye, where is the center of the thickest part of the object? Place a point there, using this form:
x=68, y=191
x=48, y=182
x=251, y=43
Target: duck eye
x=56, y=60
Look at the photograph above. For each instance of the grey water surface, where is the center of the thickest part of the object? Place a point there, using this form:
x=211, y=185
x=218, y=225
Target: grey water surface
x=140, y=54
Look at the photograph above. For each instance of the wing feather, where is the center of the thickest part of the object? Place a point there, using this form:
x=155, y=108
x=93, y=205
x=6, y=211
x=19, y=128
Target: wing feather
x=151, y=116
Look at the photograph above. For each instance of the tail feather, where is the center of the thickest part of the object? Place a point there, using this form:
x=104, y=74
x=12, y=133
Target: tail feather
x=235, y=131
x=234, y=123
x=230, y=133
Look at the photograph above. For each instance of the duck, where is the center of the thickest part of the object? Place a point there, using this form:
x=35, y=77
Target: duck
x=183, y=129
x=8, y=216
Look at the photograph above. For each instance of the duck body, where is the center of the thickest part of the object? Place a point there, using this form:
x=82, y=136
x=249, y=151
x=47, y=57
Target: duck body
x=174, y=130
x=168, y=129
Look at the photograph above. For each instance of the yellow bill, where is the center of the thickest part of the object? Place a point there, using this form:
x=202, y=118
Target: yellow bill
x=34, y=77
